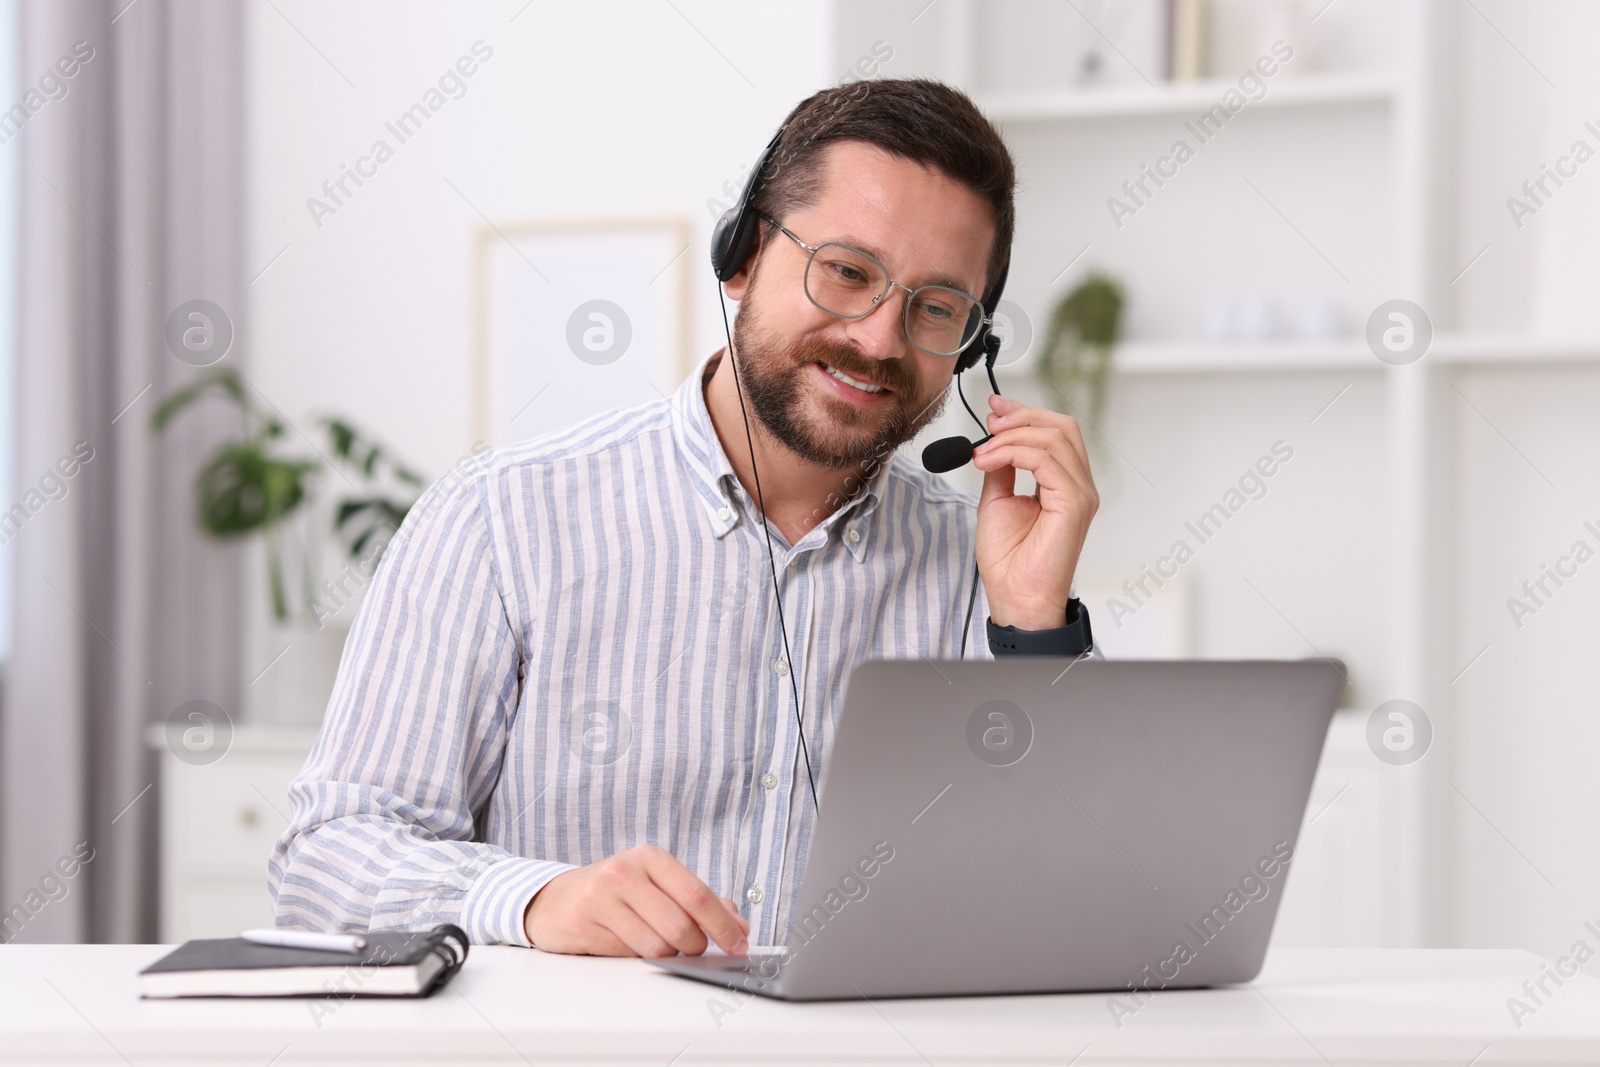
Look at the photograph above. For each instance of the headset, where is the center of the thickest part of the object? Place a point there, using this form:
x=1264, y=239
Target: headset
x=732, y=239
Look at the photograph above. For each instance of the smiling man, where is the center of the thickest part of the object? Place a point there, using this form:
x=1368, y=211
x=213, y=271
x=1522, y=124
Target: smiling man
x=572, y=712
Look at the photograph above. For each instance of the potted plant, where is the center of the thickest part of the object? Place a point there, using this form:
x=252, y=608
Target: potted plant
x=251, y=486
x=245, y=487
x=1077, y=355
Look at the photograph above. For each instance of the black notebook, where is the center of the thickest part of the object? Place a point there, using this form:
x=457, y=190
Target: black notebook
x=394, y=963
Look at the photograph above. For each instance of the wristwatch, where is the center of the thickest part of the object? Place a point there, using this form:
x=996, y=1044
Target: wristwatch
x=1073, y=639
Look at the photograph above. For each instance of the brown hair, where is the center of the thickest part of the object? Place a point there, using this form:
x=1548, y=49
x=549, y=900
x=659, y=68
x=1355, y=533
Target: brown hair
x=917, y=119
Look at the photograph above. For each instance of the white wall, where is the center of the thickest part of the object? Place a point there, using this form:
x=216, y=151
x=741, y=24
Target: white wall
x=584, y=109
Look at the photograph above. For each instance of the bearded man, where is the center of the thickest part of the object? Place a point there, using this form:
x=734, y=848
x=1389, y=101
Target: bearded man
x=598, y=675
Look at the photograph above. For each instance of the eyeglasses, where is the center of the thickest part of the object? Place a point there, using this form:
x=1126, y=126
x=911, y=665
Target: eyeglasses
x=847, y=282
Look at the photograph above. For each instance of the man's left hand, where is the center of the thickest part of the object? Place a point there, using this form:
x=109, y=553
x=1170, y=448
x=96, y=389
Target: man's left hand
x=1028, y=546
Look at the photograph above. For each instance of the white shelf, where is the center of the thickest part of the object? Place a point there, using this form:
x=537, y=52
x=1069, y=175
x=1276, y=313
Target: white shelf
x=1170, y=98
x=1176, y=357
x=1157, y=357
x=1515, y=348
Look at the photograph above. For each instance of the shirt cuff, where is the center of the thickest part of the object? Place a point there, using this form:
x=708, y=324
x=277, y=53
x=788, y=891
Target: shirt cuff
x=493, y=909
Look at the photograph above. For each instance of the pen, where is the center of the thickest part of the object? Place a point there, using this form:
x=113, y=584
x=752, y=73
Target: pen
x=305, y=939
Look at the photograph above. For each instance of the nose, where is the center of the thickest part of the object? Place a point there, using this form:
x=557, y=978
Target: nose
x=880, y=333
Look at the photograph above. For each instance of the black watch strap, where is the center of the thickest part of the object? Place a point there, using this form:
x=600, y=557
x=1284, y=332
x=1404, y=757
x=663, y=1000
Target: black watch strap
x=1075, y=638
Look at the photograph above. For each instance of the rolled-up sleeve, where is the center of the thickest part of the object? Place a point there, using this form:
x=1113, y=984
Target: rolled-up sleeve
x=381, y=826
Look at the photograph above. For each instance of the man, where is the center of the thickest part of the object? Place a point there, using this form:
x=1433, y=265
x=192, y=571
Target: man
x=572, y=714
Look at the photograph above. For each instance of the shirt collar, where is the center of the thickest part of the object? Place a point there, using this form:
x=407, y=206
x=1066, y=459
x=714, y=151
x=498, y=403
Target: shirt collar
x=721, y=495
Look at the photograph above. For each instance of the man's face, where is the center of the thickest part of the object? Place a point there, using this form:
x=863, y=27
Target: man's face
x=926, y=229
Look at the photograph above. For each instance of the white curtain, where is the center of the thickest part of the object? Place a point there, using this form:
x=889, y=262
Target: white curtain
x=131, y=203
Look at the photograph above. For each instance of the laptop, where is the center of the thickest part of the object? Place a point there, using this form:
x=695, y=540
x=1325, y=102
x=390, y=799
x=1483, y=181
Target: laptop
x=1037, y=825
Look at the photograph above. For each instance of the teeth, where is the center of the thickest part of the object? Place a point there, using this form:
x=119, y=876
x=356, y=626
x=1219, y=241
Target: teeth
x=865, y=387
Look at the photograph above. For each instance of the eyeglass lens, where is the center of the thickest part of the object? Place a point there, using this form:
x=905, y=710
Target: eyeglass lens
x=847, y=282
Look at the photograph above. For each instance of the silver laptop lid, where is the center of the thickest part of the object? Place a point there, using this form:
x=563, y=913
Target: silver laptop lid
x=1019, y=825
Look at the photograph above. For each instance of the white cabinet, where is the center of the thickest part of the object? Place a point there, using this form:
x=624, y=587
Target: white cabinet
x=219, y=821
x=1336, y=893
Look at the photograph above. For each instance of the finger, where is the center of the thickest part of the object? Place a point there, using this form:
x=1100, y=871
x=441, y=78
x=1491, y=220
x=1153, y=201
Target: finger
x=1015, y=414
x=1050, y=439
x=1045, y=468
x=1044, y=465
x=1037, y=461
x=1044, y=419
x=1000, y=482
x=734, y=908
x=634, y=930
x=697, y=899
x=597, y=940
x=669, y=921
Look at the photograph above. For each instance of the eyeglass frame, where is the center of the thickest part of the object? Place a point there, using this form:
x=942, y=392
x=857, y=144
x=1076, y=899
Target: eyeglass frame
x=984, y=319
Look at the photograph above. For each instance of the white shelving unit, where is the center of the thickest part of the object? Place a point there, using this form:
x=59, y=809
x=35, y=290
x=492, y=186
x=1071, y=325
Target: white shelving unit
x=1343, y=167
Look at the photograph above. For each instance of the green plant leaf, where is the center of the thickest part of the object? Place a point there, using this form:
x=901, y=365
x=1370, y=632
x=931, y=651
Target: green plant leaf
x=224, y=379
x=349, y=508
x=359, y=520
x=241, y=490
x=341, y=435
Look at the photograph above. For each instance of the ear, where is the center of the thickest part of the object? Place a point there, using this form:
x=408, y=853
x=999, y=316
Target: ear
x=737, y=286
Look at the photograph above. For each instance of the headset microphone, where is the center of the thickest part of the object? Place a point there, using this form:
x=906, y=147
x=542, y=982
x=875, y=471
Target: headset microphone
x=948, y=453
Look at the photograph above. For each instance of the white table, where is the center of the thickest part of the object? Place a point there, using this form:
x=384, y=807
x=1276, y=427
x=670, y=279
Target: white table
x=77, y=1004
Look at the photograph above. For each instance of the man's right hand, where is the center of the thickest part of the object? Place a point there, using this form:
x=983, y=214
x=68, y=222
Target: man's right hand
x=640, y=902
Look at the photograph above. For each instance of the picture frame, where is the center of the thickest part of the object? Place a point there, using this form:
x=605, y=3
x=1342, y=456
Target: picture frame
x=575, y=317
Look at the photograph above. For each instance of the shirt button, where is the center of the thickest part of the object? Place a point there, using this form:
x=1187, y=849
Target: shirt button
x=853, y=536
x=781, y=666
x=725, y=514
x=769, y=780
x=753, y=894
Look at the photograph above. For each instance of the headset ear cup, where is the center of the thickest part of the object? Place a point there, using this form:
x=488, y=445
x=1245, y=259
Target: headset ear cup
x=721, y=235
x=732, y=240
x=735, y=232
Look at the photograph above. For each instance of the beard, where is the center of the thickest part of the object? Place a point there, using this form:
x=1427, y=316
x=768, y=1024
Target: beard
x=827, y=431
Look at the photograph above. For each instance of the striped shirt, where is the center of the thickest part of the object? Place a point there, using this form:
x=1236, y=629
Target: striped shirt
x=571, y=647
